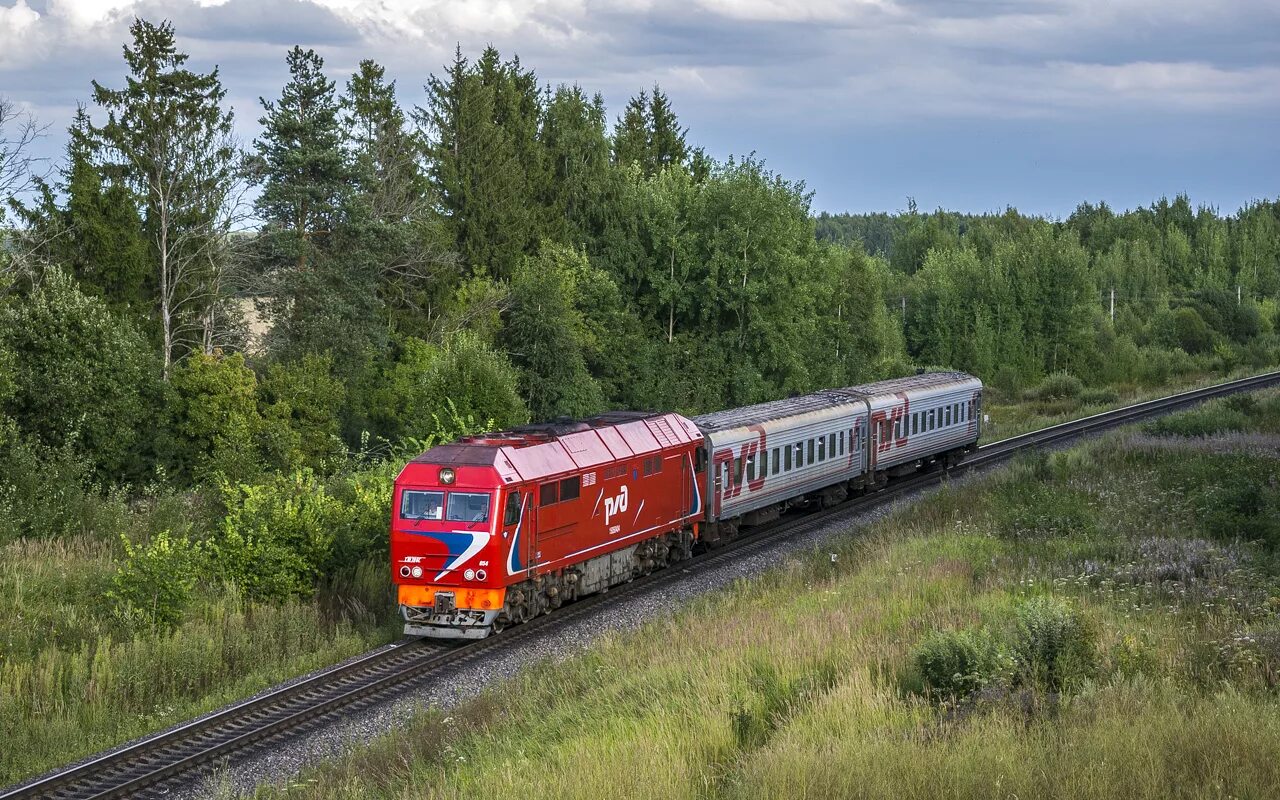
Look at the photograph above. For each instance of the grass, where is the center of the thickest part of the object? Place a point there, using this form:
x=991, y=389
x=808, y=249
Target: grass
x=74, y=679
x=804, y=683
x=1049, y=404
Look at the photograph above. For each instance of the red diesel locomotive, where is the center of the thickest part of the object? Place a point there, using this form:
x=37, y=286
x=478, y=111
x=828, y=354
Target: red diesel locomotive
x=492, y=530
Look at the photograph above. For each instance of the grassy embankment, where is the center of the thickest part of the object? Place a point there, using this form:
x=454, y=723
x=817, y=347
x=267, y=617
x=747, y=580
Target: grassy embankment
x=76, y=677
x=1061, y=398
x=1097, y=623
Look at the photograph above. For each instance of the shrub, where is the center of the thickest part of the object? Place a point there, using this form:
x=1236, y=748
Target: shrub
x=214, y=403
x=1053, y=644
x=154, y=584
x=1101, y=396
x=1058, y=386
x=957, y=663
x=278, y=538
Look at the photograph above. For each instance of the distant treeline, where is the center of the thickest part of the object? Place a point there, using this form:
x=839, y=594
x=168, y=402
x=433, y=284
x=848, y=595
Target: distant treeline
x=506, y=252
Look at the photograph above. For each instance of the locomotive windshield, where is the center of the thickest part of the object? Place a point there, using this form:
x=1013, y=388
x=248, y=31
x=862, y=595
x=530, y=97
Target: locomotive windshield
x=421, y=505
x=467, y=507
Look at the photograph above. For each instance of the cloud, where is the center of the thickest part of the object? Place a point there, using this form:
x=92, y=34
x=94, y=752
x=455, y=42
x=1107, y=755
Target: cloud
x=743, y=74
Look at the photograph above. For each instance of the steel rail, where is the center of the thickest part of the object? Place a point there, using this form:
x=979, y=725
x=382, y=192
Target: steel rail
x=150, y=762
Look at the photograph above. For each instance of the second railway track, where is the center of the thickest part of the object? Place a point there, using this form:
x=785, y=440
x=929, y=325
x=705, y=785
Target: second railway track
x=255, y=723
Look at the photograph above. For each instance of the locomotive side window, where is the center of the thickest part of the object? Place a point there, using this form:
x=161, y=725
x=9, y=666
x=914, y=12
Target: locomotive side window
x=468, y=507
x=700, y=461
x=570, y=488
x=421, y=505
x=652, y=466
x=512, y=515
x=549, y=493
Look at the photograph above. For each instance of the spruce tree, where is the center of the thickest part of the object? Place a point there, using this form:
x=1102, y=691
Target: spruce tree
x=666, y=138
x=478, y=124
x=299, y=160
x=631, y=135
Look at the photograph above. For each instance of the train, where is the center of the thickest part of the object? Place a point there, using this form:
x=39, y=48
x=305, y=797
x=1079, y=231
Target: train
x=495, y=529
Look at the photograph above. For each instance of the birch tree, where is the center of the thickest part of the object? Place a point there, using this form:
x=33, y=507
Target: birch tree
x=168, y=137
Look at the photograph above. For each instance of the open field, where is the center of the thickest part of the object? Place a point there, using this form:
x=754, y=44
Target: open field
x=1096, y=623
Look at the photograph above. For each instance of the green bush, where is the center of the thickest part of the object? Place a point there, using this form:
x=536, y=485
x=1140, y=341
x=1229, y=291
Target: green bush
x=280, y=537
x=1100, y=396
x=1058, y=386
x=957, y=663
x=213, y=400
x=1053, y=645
x=154, y=584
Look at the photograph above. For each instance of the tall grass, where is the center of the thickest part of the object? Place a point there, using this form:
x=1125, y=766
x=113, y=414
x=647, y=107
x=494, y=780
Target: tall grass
x=803, y=683
x=74, y=680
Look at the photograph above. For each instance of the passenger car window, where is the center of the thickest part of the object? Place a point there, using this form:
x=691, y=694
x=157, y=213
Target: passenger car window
x=787, y=452
x=468, y=507
x=421, y=505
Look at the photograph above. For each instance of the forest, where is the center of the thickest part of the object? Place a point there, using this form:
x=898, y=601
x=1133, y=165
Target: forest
x=215, y=353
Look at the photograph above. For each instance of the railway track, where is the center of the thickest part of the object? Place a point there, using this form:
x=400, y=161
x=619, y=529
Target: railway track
x=145, y=766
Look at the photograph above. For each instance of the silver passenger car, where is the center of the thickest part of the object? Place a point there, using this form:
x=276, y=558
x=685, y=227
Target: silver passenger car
x=759, y=457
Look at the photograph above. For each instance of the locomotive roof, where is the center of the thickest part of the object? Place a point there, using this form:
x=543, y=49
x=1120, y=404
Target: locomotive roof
x=827, y=398
x=532, y=452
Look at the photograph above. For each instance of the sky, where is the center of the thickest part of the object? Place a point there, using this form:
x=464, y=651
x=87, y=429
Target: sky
x=971, y=105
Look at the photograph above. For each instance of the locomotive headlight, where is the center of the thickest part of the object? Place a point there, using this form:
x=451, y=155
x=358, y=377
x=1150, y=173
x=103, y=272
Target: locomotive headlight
x=404, y=572
x=417, y=572
x=480, y=575
x=469, y=574
x=446, y=476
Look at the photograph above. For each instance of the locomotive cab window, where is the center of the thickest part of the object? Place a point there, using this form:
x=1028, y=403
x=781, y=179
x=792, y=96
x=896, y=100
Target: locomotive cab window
x=570, y=488
x=700, y=461
x=512, y=515
x=468, y=507
x=421, y=505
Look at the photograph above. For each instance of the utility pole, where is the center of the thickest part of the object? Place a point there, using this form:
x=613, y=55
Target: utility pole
x=1237, y=294
x=1113, y=305
x=904, y=308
